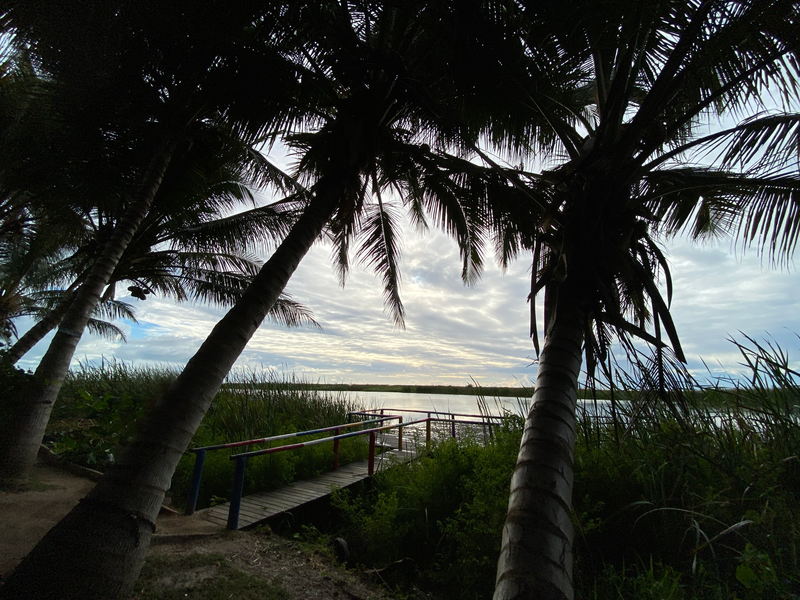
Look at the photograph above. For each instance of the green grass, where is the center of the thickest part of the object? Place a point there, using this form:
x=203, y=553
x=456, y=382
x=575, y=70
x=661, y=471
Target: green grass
x=703, y=504
x=101, y=405
x=202, y=577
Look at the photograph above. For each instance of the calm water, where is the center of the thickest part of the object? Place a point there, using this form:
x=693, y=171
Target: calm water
x=450, y=403
x=467, y=405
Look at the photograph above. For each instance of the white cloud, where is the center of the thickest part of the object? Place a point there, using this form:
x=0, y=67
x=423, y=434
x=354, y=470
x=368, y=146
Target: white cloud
x=452, y=332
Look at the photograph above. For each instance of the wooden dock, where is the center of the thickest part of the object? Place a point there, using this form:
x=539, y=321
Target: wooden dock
x=256, y=508
x=259, y=507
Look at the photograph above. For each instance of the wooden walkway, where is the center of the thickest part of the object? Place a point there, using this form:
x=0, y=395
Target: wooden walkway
x=256, y=508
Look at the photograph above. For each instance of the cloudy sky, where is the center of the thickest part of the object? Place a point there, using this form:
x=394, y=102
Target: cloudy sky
x=454, y=333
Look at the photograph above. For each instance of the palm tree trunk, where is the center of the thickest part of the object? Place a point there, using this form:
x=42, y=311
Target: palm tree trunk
x=536, y=552
x=21, y=437
x=98, y=549
x=36, y=333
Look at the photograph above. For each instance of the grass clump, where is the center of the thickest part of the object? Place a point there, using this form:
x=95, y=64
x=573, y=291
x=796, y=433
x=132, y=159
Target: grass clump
x=99, y=407
x=440, y=516
x=261, y=404
x=701, y=502
x=706, y=501
x=202, y=577
x=101, y=404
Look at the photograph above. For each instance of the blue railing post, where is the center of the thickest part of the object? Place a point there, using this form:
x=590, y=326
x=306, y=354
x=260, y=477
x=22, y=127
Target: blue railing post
x=236, y=496
x=371, y=462
x=453, y=419
x=336, y=431
x=194, y=486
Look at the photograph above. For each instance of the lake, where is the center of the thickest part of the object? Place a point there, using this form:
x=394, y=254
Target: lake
x=467, y=405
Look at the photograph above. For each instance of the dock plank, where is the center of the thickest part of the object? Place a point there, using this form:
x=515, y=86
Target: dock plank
x=258, y=507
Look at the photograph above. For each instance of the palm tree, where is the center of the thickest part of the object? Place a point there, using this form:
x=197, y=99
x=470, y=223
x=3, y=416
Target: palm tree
x=35, y=225
x=618, y=93
x=365, y=70
x=183, y=249
x=157, y=78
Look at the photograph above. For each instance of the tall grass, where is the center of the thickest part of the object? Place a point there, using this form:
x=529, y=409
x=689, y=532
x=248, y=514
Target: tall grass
x=699, y=498
x=99, y=407
x=704, y=501
x=253, y=404
x=258, y=404
x=101, y=404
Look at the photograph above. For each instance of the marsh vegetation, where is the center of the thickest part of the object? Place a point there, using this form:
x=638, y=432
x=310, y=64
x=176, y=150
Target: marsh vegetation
x=700, y=500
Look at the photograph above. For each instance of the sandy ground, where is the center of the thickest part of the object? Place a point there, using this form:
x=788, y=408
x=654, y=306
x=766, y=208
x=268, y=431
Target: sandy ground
x=303, y=572
x=26, y=516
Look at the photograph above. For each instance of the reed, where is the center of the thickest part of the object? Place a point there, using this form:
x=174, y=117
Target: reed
x=101, y=404
x=700, y=496
x=697, y=497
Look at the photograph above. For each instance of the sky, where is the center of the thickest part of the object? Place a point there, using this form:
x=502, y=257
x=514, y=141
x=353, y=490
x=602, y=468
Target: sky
x=456, y=334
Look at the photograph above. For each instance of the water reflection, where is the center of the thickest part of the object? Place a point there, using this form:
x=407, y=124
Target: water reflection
x=469, y=405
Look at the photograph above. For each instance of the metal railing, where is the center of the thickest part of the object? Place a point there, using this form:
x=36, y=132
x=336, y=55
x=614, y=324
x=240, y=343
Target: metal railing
x=241, y=459
x=475, y=420
x=200, y=453
x=379, y=417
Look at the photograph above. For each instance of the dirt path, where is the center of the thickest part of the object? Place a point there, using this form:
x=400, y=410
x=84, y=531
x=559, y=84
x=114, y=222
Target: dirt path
x=26, y=516
x=189, y=557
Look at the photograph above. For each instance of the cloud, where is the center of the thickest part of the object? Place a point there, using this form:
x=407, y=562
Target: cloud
x=455, y=332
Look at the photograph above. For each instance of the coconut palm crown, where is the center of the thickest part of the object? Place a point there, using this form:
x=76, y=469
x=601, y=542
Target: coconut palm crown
x=620, y=118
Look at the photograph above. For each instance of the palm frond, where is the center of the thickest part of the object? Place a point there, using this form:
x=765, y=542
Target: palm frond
x=289, y=313
x=759, y=210
x=106, y=330
x=762, y=143
x=380, y=250
x=115, y=309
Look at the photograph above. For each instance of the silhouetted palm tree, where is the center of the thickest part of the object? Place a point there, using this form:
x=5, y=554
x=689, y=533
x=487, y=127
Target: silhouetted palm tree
x=183, y=249
x=371, y=123
x=140, y=83
x=618, y=114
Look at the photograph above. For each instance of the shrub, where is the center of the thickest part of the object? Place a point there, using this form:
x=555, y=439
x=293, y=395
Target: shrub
x=101, y=404
x=443, y=511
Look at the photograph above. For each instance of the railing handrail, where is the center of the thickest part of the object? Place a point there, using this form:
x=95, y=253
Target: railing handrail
x=285, y=436
x=370, y=411
x=323, y=440
x=200, y=453
x=241, y=458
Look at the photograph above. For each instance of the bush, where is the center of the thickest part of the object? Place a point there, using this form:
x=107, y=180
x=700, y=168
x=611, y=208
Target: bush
x=13, y=382
x=100, y=405
x=443, y=511
x=703, y=503
x=99, y=408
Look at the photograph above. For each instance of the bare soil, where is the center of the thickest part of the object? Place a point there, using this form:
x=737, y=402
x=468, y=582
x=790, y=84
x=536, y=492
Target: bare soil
x=189, y=557
x=27, y=514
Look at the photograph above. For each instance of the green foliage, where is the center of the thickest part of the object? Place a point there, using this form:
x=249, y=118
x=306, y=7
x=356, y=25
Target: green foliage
x=255, y=405
x=703, y=503
x=444, y=511
x=655, y=582
x=202, y=577
x=711, y=492
x=12, y=381
x=100, y=405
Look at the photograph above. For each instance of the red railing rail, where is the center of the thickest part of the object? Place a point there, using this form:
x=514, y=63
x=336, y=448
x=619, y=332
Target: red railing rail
x=200, y=453
x=379, y=416
x=241, y=460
